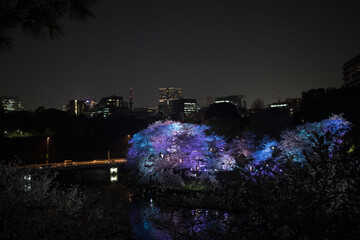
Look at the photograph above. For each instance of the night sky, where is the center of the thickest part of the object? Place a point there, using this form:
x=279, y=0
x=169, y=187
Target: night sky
x=209, y=48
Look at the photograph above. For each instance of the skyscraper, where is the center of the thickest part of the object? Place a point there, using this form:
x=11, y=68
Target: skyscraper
x=10, y=103
x=166, y=96
x=76, y=107
x=170, y=93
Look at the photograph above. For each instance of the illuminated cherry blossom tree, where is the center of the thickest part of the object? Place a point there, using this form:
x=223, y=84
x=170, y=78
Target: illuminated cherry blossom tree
x=301, y=142
x=169, y=152
x=265, y=155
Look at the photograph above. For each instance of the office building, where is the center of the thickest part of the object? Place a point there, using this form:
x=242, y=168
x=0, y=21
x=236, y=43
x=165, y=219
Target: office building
x=10, y=103
x=76, y=107
x=239, y=101
x=90, y=107
x=182, y=108
x=166, y=96
x=149, y=110
x=351, y=72
x=292, y=105
x=279, y=105
x=84, y=105
x=111, y=105
x=170, y=93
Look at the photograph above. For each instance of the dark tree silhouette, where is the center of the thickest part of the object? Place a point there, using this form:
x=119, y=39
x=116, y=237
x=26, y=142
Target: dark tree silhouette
x=223, y=118
x=258, y=104
x=222, y=110
x=39, y=18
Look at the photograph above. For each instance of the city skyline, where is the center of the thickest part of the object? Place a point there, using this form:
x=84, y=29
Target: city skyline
x=207, y=48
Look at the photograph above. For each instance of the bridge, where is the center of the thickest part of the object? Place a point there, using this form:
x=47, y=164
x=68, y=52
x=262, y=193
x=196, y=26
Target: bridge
x=95, y=171
x=71, y=165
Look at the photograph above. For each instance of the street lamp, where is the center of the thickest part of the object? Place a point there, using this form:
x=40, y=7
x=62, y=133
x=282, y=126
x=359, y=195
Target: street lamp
x=47, y=149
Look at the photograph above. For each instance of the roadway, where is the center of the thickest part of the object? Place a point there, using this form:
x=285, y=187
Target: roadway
x=72, y=164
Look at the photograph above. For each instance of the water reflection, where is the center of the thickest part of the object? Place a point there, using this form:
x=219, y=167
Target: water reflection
x=152, y=219
x=141, y=220
x=149, y=220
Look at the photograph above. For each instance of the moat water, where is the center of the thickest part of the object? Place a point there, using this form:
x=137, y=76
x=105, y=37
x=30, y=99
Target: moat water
x=147, y=217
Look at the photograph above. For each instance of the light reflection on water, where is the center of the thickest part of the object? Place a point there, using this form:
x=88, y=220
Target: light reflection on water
x=150, y=221
x=141, y=215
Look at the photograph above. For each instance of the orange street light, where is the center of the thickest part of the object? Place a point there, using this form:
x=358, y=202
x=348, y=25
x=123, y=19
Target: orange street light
x=47, y=149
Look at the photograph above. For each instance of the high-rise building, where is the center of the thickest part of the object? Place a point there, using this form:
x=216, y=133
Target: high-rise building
x=90, y=104
x=166, y=96
x=90, y=108
x=10, y=103
x=294, y=105
x=182, y=108
x=111, y=105
x=75, y=107
x=84, y=105
x=170, y=93
x=291, y=104
x=351, y=72
x=239, y=101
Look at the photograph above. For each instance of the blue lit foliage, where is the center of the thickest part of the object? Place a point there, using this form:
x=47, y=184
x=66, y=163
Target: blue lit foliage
x=253, y=152
x=266, y=150
x=259, y=154
x=167, y=152
x=299, y=143
x=262, y=159
x=265, y=155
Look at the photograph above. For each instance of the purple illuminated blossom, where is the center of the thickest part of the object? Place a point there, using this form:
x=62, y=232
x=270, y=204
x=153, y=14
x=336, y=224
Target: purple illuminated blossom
x=265, y=156
x=167, y=152
x=241, y=147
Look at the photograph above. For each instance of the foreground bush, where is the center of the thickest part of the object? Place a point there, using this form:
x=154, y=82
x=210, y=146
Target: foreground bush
x=33, y=206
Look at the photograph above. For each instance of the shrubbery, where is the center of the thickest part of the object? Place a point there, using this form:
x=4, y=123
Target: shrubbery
x=33, y=206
